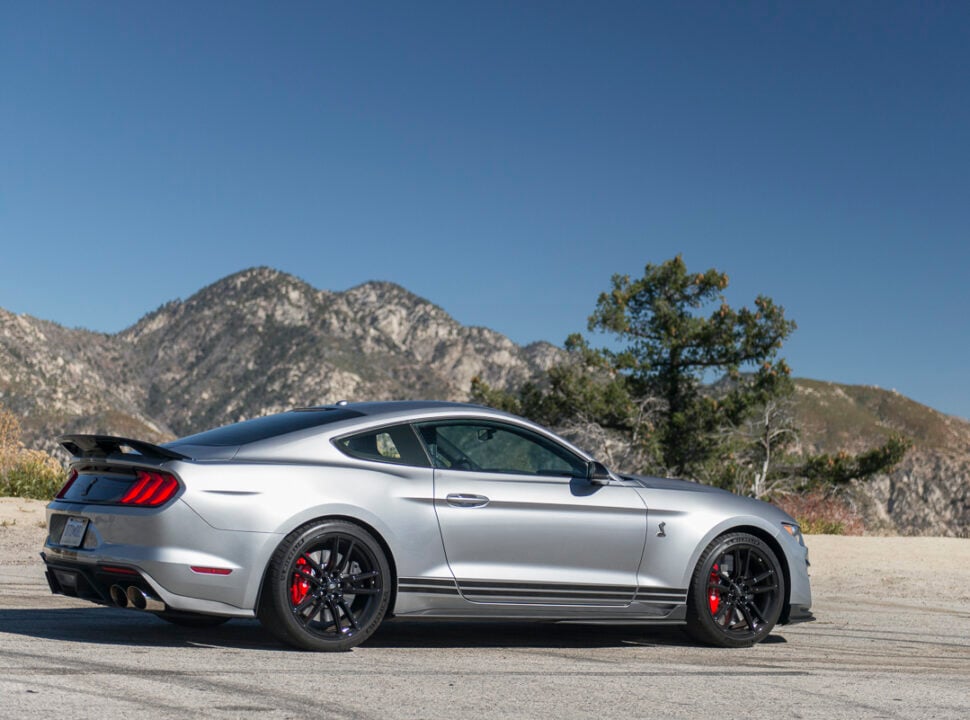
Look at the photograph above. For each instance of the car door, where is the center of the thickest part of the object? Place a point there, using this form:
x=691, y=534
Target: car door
x=521, y=523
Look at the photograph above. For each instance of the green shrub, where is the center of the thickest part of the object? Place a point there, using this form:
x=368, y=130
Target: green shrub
x=25, y=473
x=820, y=526
x=32, y=474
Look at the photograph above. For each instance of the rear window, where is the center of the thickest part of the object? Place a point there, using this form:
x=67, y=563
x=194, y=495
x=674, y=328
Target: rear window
x=266, y=427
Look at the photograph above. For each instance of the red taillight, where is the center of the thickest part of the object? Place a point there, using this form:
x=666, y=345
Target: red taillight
x=72, y=476
x=151, y=489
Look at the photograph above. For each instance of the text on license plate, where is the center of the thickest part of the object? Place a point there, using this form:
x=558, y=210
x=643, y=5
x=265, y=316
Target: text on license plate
x=73, y=532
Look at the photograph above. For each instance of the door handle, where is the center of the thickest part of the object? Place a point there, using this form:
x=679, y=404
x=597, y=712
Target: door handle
x=463, y=500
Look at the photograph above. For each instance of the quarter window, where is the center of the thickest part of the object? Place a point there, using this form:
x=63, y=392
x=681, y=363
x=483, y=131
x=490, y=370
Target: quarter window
x=396, y=444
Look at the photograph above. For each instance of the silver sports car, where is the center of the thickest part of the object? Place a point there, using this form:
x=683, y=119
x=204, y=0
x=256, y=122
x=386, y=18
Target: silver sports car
x=325, y=521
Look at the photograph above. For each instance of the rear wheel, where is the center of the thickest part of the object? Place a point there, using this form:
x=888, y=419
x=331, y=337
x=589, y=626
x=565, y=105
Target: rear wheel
x=736, y=593
x=327, y=588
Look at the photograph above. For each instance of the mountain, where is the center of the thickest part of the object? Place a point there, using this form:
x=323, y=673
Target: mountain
x=59, y=380
x=856, y=417
x=262, y=341
x=256, y=342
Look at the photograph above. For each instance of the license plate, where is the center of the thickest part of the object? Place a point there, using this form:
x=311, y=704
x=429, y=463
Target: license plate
x=73, y=532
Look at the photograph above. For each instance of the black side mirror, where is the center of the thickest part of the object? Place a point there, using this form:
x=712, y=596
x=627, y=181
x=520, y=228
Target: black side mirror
x=597, y=473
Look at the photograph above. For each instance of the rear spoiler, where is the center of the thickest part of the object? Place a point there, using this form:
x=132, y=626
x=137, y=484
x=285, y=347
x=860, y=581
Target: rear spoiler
x=100, y=446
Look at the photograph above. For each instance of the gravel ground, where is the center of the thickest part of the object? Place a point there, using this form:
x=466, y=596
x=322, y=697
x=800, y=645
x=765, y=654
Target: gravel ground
x=23, y=528
x=892, y=640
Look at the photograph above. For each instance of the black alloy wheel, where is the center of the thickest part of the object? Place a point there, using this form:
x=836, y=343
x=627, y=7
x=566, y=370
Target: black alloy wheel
x=328, y=587
x=737, y=592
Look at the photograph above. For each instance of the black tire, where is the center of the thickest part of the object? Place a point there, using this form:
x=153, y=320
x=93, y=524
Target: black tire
x=327, y=587
x=736, y=593
x=192, y=620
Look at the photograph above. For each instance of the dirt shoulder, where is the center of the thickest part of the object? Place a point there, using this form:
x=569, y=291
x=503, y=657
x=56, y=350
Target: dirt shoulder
x=23, y=529
x=923, y=571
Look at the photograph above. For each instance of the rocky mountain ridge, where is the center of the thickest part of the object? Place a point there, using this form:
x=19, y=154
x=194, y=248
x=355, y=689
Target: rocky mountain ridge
x=256, y=342
x=262, y=341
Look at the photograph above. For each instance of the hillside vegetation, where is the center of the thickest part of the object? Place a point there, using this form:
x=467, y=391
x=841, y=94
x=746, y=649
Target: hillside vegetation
x=834, y=416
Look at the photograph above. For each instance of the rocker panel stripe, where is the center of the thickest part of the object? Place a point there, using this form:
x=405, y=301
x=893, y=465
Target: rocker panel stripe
x=542, y=591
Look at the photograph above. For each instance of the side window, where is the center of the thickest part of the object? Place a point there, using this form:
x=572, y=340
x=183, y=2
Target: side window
x=494, y=447
x=396, y=444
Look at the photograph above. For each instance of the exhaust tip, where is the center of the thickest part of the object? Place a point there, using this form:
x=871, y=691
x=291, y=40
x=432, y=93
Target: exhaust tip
x=136, y=597
x=118, y=596
x=140, y=600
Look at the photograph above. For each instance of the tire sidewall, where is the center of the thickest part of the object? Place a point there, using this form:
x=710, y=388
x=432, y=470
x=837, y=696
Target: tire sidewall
x=700, y=622
x=276, y=613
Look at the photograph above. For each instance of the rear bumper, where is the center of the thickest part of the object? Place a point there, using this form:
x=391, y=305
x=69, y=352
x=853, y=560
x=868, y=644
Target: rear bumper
x=159, y=548
x=93, y=582
x=89, y=581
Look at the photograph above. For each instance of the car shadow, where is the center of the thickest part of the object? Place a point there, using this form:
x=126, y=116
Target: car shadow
x=113, y=626
x=489, y=634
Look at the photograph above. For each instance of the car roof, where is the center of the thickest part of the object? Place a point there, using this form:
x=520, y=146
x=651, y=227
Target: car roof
x=330, y=419
x=395, y=407
x=411, y=410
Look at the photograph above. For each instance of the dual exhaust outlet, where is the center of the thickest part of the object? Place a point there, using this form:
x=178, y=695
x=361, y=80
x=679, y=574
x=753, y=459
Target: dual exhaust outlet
x=135, y=598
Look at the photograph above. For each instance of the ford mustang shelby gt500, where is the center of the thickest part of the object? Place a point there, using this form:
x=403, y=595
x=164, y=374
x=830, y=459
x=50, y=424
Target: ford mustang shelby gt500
x=324, y=521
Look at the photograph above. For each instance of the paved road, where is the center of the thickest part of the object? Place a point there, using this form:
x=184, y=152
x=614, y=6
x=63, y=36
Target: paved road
x=860, y=660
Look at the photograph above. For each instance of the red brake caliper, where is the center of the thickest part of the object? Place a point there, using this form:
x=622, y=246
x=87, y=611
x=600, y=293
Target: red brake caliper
x=300, y=585
x=713, y=595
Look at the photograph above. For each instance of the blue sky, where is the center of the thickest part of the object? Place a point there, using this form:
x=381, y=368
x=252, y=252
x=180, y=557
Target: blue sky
x=503, y=160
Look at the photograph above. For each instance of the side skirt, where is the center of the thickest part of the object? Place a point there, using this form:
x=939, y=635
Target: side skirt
x=447, y=598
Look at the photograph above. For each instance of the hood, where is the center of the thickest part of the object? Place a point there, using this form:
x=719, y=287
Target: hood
x=655, y=483
x=724, y=498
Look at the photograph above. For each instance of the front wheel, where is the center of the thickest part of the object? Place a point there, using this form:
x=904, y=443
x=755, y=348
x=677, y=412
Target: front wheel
x=736, y=593
x=327, y=587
